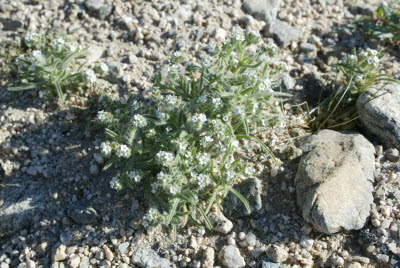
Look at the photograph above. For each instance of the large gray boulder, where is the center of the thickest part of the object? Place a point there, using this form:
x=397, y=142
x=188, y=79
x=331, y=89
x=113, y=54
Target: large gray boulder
x=282, y=32
x=381, y=116
x=334, y=181
x=265, y=10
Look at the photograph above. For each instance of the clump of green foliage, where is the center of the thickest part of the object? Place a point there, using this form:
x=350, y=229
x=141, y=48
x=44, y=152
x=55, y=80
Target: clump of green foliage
x=51, y=66
x=181, y=145
x=356, y=72
x=384, y=25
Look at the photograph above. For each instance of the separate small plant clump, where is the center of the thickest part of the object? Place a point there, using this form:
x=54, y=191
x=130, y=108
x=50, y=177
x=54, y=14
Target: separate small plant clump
x=384, y=25
x=52, y=66
x=181, y=145
x=357, y=73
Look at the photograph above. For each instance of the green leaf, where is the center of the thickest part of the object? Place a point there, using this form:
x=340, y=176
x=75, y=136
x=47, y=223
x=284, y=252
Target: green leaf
x=110, y=163
x=241, y=198
x=203, y=214
x=24, y=87
x=172, y=211
x=111, y=133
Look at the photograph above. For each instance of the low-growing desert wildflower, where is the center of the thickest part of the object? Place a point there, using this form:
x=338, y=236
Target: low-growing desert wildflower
x=184, y=139
x=105, y=149
x=90, y=76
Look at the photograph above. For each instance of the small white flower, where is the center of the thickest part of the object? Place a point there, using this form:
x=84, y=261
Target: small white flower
x=203, y=159
x=249, y=171
x=206, y=141
x=139, y=121
x=123, y=151
x=165, y=158
x=31, y=37
x=202, y=99
x=238, y=111
x=225, y=118
x=265, y=123
x=235, y=143
x=115, y=183
x=372, y=52
x=134, y=176
x=105, y=149
x=374, y=61
x=73, y=46
x=282, y=65
x=206, y=62
x=173, y=190
x=216, y=102
x=90, y=76
x=211, y=47
x=359, y=78
x=171, y=100
x=103, y=116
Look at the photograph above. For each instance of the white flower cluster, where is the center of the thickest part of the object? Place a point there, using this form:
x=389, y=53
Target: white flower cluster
x=74, y=46
x=104, y=116
x=123, y=151
x=202, y=180
x=31, y=37
x=58, y=43
x=249, y=171
x=238, y=111
x=36, y=58
x=266, y=85
x=203, y=159
x=237, y=36
x=165, y=158
x=90, y=76
x=105, y=148
x=202, y=99
x=198, y=120
x=211, y=47
x=161, y=115
x=115, y=183
x=135, y=176
x=206, y=62
x=151, y=215
x=371, y=55
x=172, y=101
x=207, y=140
x=216, y=102
x=272, y=49
x=139, y=121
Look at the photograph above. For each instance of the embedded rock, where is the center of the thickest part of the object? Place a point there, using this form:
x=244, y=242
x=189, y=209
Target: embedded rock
x=147, y=257
x=220, y=223
x=230, y=257
x=334, y=181
x=282, y=32
x=265, y=10
x=381, y=116
x=81, y=213
x=250, y=189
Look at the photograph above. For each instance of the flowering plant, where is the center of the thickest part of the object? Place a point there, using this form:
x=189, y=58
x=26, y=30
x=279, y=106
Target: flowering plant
x=182, y=145
x=358, y=72
x=51, y=65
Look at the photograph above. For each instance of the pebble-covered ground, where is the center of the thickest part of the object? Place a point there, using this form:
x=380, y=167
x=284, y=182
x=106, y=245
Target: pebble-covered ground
x=66, y=215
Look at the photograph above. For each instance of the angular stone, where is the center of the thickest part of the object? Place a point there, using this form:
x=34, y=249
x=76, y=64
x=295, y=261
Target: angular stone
x=230, y=257
x=282, y=32
x=220, y=223
x=147, y=257
x=380, y=116
x=267, y=263
x=277, y=254
x=82, y=213
x=334, y=180
x=250, y=189
x=265, y=10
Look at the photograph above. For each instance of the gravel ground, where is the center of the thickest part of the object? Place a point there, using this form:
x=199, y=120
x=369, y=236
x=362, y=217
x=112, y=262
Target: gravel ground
x=65, y=214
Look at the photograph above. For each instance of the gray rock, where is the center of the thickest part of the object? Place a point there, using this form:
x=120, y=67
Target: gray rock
x=308, y=47
x=85, y=262
x=381, y=116
x=287, y=83
x=282, y=32
x=230, y=257
x=334, y=180
x=94, y=5
x=265, y=10
x=266, y=263
x=10, y=25
x=220, y=223
x=392, y=155
x=147, y=257
x=277, y=254
x=208, y=257
x=105, y=11
x=251, y=190
x=82, y=213
x=23, y=202
x=123, y=247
